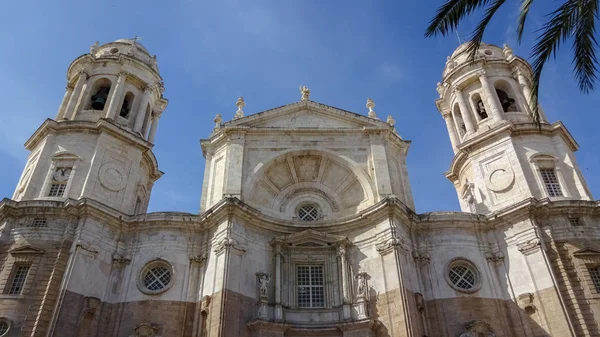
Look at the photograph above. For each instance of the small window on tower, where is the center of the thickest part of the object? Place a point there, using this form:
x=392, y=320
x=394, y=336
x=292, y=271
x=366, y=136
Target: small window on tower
x=60, y=178
x=595, y=276
x=551, y=182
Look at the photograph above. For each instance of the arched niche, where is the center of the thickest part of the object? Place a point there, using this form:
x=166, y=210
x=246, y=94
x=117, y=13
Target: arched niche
x=506, y=95
x=335, y=184
x=99, y=95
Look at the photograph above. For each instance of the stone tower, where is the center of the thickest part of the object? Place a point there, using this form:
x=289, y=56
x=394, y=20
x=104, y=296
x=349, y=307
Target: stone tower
x=100, y=144
x=501, y=156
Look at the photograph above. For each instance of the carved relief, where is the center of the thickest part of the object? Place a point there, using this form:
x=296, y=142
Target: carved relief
x=478, y=328
x=529, y=247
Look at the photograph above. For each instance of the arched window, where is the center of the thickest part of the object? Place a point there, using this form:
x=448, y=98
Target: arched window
x=506, y=96
x=99, y=98
x=458, y=121
x=126, y=106
x=479, y=107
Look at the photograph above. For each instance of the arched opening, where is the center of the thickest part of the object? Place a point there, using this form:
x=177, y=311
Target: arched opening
x=126, y=106
x=458, y=121
x=479, y=107
x=99, y=98
x=506, y=96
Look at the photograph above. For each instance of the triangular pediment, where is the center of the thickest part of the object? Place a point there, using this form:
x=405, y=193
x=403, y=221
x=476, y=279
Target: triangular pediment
x=26, y=250
x=587, y=252
x=307, y=115
x=310, y=238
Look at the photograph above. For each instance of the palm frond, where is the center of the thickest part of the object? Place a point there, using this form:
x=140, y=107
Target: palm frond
x=450, y=14
x=555, y=31
x=585, y=44
x=525, y=6
x=480, y=29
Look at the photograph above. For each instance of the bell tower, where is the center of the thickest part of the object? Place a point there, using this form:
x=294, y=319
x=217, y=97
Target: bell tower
x=501, y=156
x=99, y=146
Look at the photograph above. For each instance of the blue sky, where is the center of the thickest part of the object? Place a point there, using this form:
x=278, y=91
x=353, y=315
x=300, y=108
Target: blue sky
x=211, y=52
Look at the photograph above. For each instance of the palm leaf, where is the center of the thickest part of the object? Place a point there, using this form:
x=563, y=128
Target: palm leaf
x=585, y=44
x=480, y=29
x=525, y=6
x=450, y=14
x=555, y=31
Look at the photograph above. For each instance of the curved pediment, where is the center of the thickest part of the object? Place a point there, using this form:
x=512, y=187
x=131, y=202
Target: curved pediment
x=332, y=183
x=311, y=238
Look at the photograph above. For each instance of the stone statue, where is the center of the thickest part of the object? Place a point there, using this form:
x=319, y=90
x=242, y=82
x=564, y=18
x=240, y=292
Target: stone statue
x=361, y=286
x=305, y=93
x=263, y=280
x=240, y=105
x=153, y=62
x=390, y=120
x=94, y=48
x=370, y=106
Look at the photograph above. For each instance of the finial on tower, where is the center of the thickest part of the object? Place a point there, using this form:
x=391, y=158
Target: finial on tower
x=305, y=93
x=240, y=105
x=218, y=120
x=94, y=48
x=370, y=105
x=508, y=52
x=391, y=121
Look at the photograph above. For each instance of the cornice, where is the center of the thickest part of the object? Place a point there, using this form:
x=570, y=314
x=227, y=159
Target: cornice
x=511, y=130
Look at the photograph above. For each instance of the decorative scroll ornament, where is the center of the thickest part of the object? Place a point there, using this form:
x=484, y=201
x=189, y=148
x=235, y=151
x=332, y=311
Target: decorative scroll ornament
x=146, y=330
x=494, y=257
x=422, y=258
x=395, y=242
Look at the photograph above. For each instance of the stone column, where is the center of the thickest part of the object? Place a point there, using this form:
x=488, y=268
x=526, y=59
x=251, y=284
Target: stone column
x=526, y=89
x=451, y=130
x=380, y=165
x=464, y=111
x=61, y=110
x=155, y=118
x=490, y=96
x=278, y=306
x=115, y=98
x=345, y=294
x=139, y=119
x=69, y=112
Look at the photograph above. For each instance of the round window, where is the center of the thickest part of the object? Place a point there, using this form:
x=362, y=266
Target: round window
x=114, y=51
x=308, y=212
x=463, y=276
x=4, y=326
x=156, y=277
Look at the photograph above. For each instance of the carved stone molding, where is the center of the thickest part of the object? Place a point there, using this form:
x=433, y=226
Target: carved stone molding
x=146, y=330
x=478, y=328
x=421, y=258
x=530, y=246
x=526, y=302
x=198, y=258
x=120, y=260
x=229, y=243
x=334, y=206
x=394, y=242
x=494, y=257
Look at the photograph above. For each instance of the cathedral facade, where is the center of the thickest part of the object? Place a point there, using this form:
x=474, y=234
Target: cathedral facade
x=307, y=225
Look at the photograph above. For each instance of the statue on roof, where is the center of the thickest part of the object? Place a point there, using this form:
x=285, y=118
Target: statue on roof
x=94, y=48
x=305, y=93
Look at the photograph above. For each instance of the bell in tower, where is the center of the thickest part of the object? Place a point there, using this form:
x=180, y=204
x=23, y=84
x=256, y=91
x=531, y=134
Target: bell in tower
x=99, y=98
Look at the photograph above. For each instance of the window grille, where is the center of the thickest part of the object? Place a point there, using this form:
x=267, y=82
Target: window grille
x=595, y=275
x=39, y=223
x=462, y=277
x=18, y=280
x=551, y=182
x=157, y=278
x=57, y=189
x=311, y=293
x=308, y=212
x=3, y=327
x=574, y=221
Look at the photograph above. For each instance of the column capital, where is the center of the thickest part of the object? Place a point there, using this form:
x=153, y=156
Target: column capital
x=481, y=73
x=123, y=74
x=456, y=89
